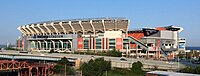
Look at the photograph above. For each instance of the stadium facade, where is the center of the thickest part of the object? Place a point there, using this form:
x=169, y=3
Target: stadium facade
x=99, y=34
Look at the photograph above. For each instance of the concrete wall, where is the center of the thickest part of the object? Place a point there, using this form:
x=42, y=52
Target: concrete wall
x=74, y=42
x=113, y=34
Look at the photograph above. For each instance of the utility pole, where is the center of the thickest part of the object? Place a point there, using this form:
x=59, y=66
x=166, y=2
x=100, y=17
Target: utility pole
x=81, y=72
x=106, y=73
x=65, y=70
x=178, y=62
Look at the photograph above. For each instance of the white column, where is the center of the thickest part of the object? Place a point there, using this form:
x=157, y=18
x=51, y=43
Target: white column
x=104, y=28
x=137, y=51
x=38, y=25
x=60, y=23
x=61, y=44
x=23, y=27
x=105, y=43
x=37, y=32
x=70, y=24
x=53, y=44
x=103, y=23
x=45, y=25
x=92, y=27
x=33, y=45
x=54, y=27
x=127, y=28
x=39, y=44
x=82, y=27
x=46, y=44
x=91, y=43
x=23, y=32
x=28, y=27
x=70, y=44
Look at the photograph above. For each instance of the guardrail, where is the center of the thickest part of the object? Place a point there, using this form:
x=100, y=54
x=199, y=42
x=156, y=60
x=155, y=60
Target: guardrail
x=33, y=57
x=145, y=66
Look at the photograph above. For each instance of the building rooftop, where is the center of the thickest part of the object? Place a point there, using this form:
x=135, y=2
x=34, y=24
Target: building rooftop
x=171, y=73
x=81, y=19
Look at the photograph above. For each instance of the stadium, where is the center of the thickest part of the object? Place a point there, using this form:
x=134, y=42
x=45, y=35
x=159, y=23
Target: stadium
x=99, y=34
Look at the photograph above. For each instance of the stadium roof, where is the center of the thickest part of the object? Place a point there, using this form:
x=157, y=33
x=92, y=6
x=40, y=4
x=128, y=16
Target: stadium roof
x=83, y=26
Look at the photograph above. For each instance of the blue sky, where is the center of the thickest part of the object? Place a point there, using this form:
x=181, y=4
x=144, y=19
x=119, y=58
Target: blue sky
x=142, y=13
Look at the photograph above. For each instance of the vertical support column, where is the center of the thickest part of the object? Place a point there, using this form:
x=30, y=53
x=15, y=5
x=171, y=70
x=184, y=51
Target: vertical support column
x=42, y=45
x=58, y=43
x=67, y=43
x=22, y=43
x=18, y=43
x=102, y=45
x=29, y=71
x=19, y=72
x=49, y=45
x=136, y=51
x=159, y=46
x=147, y=53
x=127, y=50
x=70, y=44
x=92, y=27
x=45, y=71
x=53, y=44
x=107, y=43
x=39, y=45
x=94, y=43
x=61, y=44
x=91, y=43
x=37, y=70
x=46, y=45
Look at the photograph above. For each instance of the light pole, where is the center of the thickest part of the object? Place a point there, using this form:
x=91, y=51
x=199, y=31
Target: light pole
x=65, y=70
x=178, y=62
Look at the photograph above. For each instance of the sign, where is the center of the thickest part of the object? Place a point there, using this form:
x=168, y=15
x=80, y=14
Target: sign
x=119, y=43
x=80, y=43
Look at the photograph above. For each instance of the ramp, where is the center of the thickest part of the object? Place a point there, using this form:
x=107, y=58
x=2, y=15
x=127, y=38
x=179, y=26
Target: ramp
x=163, y=51
x=144, y=46
x=138, y=43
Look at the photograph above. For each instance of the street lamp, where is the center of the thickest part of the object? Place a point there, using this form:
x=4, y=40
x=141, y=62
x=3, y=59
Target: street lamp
x=178, y=62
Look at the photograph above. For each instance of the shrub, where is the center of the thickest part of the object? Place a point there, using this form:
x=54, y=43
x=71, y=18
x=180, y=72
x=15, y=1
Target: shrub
x=59, y=67
x=95, y=67
x=137, y=67
x=186, y=70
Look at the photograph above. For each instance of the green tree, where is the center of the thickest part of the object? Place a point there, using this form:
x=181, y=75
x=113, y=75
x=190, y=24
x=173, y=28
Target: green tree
x=95, y=67
x=114, y=53
x=187, y=70
x=137, y=68
x=10, y=48
x=197, y=70
x=58, y=69
x=63, y=65
x=63, y=61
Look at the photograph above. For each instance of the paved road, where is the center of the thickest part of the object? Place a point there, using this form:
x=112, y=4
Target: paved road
x=113, y=59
